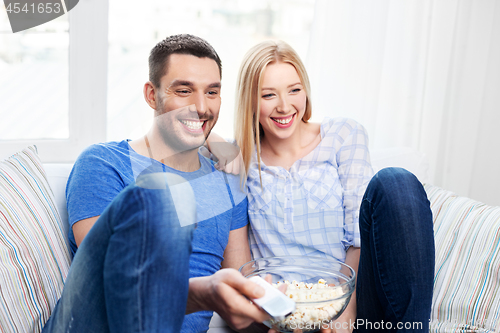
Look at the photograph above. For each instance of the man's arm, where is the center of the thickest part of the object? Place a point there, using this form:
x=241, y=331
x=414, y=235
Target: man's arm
x=82, y=228
x=237, y=250
x=94, y=182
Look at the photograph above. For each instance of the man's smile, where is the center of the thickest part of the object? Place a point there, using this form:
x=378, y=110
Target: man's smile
x=193, y=124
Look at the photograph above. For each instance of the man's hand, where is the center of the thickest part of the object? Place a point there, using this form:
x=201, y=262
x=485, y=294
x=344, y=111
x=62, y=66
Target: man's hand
x=224, y=292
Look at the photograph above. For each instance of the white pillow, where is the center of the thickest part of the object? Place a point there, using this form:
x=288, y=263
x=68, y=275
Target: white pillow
x=34, y=257
x=403, y=157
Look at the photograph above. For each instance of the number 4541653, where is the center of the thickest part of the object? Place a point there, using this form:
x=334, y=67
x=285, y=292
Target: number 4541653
x=40, y=8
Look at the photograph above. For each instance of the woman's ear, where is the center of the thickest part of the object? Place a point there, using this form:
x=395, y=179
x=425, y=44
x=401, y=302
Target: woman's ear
x=150, y=94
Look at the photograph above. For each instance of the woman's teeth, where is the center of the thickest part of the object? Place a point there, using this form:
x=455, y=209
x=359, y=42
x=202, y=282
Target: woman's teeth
x=195, y=125
x=283, y=121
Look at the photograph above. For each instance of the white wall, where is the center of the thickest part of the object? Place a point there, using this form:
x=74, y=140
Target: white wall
x=423, y=74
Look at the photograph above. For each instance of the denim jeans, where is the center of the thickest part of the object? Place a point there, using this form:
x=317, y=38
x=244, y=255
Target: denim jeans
x=396, y=268
x=131, y=272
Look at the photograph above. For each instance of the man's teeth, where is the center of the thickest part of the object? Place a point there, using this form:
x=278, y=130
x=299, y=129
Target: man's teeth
x=195, y=125
x=283, y=121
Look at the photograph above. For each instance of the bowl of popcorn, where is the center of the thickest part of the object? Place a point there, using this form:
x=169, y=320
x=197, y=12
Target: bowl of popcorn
x=321, y=289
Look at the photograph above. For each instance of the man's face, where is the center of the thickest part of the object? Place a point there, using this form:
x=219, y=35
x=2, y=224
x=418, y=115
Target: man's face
x=188, y=101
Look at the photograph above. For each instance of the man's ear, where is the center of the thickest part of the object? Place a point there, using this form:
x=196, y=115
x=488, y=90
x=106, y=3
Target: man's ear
x=150, y=94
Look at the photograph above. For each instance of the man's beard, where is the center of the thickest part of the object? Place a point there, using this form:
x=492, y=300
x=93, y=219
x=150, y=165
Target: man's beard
x=182, y=141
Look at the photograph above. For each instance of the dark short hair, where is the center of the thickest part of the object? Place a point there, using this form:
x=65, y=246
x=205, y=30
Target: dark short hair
x=180, y=44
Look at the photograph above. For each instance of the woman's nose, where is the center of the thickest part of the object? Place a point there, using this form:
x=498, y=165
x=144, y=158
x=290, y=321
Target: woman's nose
x=283, y=105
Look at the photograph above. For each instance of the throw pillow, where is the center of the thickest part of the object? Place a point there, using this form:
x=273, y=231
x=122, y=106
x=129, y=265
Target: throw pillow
x=34, y=257
x=467, y=281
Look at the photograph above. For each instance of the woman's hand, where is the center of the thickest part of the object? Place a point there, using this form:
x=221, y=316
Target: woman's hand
x=229, y=158
x=343, y=324
x=338, y=326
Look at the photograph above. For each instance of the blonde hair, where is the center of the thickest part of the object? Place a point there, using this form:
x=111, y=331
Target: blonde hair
x=247, y=127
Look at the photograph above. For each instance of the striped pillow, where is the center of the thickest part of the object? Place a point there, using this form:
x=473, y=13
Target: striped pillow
x=467, y=274
x=34, y=258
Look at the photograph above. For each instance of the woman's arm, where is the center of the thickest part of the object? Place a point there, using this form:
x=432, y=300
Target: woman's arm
x=345, y=323
x=348, y=318
x=355, y=172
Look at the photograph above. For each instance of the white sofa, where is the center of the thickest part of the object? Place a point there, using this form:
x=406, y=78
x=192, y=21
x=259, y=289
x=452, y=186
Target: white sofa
x=410, y=159
x=467, y=236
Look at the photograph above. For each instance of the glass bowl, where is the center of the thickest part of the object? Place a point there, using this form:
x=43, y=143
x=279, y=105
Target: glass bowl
x=321, y=288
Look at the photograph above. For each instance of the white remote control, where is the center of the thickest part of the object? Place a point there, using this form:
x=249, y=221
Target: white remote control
x=274, y=302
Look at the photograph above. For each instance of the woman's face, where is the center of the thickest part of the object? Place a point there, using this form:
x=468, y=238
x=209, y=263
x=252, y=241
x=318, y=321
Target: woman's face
x=282, y=100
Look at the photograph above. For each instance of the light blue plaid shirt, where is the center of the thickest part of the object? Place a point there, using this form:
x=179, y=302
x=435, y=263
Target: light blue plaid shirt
x=312, y=209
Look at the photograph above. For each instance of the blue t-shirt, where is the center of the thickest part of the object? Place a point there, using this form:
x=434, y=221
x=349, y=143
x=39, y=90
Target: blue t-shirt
x=103, y=170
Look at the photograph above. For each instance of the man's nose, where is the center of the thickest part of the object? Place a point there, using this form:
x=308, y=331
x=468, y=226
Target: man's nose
x=201, y=103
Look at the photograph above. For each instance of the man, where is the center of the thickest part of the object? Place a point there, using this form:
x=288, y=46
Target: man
x=131, y=205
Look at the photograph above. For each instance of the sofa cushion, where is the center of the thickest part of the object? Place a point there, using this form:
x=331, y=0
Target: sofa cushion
x=34, y=257
x=467, y=282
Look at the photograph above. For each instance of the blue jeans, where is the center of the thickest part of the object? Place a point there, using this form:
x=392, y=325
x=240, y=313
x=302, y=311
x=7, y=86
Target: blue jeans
x=131, y=272
x=396, y=268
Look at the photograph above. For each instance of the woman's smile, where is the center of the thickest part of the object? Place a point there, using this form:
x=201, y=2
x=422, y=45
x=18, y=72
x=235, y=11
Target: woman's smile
x=284, y=122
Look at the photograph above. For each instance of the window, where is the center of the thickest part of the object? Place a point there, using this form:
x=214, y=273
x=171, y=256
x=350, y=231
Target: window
x=34, y=81
x=231, y=26
x=55, y=83
x=68, y=83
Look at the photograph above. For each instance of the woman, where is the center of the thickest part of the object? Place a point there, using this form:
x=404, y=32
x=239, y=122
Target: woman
x=311, y=192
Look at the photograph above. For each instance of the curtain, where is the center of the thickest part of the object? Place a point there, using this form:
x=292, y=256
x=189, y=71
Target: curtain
x=423, y=74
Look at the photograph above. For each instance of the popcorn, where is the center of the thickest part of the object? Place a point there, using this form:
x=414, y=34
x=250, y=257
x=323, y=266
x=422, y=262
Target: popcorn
x=310, y=317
